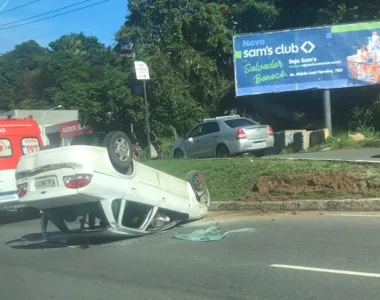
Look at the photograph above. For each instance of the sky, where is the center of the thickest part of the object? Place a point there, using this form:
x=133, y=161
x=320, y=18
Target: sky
x=102, y=21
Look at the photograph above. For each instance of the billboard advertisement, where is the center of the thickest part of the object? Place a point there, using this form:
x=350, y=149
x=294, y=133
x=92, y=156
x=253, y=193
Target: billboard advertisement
x=321, y=57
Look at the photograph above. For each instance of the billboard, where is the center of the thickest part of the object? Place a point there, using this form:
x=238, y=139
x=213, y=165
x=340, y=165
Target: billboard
x=321, y=57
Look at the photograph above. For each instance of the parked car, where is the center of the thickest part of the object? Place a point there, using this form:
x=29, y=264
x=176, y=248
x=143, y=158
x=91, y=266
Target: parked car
x=106, y=190
x=223, y=137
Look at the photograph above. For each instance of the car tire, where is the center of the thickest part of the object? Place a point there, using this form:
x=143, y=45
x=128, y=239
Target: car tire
x=259, y=153
x=120, y=150
x=199, y=185
x=222, y=151
x=178, y=154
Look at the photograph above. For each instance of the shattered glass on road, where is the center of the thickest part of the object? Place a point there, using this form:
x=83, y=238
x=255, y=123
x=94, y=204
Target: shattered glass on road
x=211, y=233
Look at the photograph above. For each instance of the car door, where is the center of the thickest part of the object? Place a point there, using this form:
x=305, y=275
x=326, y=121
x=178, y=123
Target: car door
x=192, y=140
x=144, y=187
x=208, y=140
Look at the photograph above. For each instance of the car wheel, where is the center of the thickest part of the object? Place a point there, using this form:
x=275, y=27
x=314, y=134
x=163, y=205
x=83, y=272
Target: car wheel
x=178, y=154
x=222, y=151
x=199, y=185
x=259, y=153
x=119, y=149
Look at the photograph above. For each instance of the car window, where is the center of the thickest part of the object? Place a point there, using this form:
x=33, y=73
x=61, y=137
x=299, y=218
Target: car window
x=210, y=127
x=30, y=145
x=197, y=131
x=5, y=148
x=234, y=123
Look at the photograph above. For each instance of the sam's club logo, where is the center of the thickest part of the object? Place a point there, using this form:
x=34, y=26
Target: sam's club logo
x=307, y=47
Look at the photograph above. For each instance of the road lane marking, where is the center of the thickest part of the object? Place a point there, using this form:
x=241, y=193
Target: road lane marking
x=327, y=270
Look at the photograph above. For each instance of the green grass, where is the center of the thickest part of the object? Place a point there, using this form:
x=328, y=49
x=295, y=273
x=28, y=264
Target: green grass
x=340, y=140
x=232, y=179
x=355, y=27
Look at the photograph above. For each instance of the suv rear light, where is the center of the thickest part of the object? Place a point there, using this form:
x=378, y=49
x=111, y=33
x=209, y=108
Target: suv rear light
x=22, y=189
x=240, y=134
x=77, y=181
x=270, y=131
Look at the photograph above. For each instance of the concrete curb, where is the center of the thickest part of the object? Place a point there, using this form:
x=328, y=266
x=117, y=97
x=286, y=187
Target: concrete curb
x=371, y=204
x=357, y=161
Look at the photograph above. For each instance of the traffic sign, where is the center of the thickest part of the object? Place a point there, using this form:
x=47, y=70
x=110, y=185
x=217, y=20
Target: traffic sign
x=142, y=71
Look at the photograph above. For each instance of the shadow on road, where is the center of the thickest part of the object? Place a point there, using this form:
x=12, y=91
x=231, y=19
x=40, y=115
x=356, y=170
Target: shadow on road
x=56, y=239
x=13, y=217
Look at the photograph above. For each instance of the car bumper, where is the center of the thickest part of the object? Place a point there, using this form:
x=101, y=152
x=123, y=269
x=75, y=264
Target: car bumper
x=58, y=201
x=244, y=146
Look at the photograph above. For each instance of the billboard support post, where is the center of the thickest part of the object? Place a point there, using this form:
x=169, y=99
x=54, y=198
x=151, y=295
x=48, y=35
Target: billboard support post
x=327, y=110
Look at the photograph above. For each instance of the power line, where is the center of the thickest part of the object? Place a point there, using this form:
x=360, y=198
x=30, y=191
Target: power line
x=57, y=15
x=17, y=7
x=44, y=14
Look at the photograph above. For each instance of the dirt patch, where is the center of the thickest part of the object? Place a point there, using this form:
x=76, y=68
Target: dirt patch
x=313, y=185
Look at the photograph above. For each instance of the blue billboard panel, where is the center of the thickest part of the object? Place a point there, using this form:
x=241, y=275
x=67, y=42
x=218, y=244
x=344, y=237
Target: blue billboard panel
x=322, y=58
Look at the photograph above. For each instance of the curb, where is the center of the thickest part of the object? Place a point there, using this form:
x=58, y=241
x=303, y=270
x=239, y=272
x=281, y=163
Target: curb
x=371, y=204
x=357, y=161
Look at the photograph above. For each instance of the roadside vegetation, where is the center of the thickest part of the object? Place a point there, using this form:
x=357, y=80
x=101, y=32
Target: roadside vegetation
x=340, y=140
x=188, y=48
x=260, y=179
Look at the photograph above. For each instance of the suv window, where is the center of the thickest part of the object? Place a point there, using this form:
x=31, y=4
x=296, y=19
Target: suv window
x=234, y=123
x=30, y=145
x=5, y=148
x=210, y=127
x=197, y=131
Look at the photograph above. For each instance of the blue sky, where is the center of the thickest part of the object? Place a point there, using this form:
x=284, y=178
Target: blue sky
x=101, y=20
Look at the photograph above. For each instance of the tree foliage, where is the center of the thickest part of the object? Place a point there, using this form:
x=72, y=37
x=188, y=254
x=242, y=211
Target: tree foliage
x=187, y=45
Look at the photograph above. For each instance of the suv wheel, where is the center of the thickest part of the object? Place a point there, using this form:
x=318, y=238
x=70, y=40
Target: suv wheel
x=178, y=154
x=222, y=151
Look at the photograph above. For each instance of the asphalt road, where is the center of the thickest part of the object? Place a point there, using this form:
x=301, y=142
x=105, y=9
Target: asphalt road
x=365, y=154
x=237, y=267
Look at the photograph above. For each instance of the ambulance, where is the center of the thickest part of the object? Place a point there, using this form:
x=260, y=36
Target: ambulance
x=18, y=137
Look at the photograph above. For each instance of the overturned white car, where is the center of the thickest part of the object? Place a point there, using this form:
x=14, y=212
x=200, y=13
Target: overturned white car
x=107, y=191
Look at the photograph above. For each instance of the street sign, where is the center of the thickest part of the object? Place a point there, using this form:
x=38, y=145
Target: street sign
x=137, y=90
x=142, y=71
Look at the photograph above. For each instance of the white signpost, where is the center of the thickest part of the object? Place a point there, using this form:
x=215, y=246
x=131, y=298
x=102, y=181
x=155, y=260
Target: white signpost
x=142, y=73
x=142, y=70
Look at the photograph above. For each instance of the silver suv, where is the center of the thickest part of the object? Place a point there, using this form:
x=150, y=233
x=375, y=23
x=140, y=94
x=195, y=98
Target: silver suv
x=223, y=137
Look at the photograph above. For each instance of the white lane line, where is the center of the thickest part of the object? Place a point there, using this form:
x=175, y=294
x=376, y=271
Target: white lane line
x=327, y=270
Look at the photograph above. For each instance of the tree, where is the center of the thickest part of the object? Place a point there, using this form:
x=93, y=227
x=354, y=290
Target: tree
x=187, y=45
